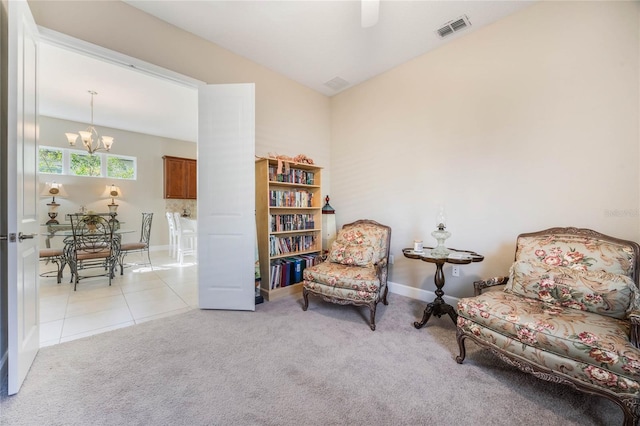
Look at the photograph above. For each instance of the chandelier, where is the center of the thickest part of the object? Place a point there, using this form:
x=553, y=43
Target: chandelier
x=87, y=135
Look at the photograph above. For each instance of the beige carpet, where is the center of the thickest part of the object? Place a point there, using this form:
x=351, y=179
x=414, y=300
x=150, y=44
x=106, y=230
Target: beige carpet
x=283, y=366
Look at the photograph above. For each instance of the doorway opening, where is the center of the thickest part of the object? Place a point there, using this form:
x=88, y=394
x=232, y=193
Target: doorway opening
x=151, y=112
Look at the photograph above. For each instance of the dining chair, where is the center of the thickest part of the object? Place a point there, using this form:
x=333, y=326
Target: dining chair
x=141, y=246
x=186, y=237
x=56, y=256
x=173, y=234
x=93, y=244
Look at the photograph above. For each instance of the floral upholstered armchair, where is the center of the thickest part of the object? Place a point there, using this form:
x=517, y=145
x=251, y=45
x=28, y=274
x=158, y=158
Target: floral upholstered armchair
x=355, y=271
x=569, y=313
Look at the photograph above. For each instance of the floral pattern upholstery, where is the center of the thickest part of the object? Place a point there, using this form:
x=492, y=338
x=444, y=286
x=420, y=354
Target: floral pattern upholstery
x=601, y=292
x=346, y=282
x=351, y=254
x=367, y=234
x=542, y=331
x=565, y=313
x=355, y=271
x=577, y=252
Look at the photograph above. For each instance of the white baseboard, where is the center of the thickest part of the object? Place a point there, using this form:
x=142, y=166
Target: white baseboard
x=419, y=294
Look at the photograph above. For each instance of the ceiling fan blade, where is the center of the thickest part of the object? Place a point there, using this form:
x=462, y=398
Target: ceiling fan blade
x=369, y=10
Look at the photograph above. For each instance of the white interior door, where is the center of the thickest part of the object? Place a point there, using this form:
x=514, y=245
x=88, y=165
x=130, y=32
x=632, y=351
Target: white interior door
x=22, y=193
x=226, y=197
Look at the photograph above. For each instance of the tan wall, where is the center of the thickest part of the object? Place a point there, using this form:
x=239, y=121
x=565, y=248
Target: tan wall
x=145, y=194
x=529, y=123
x=291, y=119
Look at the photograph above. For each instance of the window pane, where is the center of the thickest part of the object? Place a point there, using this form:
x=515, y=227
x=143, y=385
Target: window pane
x=121, y=168
x=84, y=164
x=50, y=160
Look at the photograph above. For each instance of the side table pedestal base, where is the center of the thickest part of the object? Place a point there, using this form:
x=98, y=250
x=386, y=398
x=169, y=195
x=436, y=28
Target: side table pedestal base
x=438, y=308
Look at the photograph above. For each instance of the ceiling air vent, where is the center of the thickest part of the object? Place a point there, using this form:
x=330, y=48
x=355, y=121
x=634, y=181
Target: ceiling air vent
x=337, y=83
x=454, y=26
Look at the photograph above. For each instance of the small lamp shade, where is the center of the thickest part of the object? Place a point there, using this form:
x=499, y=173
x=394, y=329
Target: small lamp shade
x=107, y=141
x=112, y=191
x=72, y=137
x=86, y=138
x=53, y=189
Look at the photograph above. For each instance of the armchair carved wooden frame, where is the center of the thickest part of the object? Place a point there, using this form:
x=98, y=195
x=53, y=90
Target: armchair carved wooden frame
x=568, y=314
x=355, y=271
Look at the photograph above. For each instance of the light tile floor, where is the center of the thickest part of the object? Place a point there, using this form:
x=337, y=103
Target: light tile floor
x=143, y=293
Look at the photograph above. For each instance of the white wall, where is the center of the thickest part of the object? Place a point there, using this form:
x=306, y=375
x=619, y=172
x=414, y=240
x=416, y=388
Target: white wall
x=527, y=124
x=145, y=194
x=291, y=119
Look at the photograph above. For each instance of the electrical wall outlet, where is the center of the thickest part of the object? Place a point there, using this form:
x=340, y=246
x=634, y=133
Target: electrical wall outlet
x=455, y=271
x=391, y=259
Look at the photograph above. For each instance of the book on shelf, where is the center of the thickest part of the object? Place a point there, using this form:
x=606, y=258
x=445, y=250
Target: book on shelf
x=290, y=198
x=304, y=177
x=296, y=269
x=292, y=222
x=288, y=271
x=294, y=243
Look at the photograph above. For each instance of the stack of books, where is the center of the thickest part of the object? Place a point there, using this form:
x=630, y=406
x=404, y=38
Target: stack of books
x=288, y=270
x=304, y=177
x=292, y=222
x=294, y=243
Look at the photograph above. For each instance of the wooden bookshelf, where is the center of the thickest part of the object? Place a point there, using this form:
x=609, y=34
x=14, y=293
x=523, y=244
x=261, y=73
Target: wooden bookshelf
x=288, y=222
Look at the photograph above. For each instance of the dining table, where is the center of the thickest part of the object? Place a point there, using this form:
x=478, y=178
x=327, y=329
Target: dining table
x=64, y=230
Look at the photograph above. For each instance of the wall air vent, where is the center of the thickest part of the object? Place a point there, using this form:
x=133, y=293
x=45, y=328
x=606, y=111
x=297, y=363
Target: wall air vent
x=337, y=83
x=454, y=26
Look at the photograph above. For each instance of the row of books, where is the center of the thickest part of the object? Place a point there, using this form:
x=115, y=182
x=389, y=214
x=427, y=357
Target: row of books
x=294, y=243
x=292, y=222
x=295, y=198
x=304, y=177
x=288, y=270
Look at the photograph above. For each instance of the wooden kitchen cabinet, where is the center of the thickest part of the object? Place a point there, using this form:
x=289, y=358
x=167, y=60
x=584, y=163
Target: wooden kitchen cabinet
x=180, y=178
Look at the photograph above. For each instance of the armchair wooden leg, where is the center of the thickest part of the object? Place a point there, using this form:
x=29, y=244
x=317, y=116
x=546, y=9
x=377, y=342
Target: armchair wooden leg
x=305, y=297
x=463, y=353
x=372, y=321
x=384, y=297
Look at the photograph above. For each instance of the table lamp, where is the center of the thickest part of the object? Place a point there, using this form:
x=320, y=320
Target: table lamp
x=440, y=234
x=328, y=225
x=53, y=189
x=113, y=192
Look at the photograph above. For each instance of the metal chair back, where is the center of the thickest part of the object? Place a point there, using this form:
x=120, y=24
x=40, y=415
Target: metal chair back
x=93, y=245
